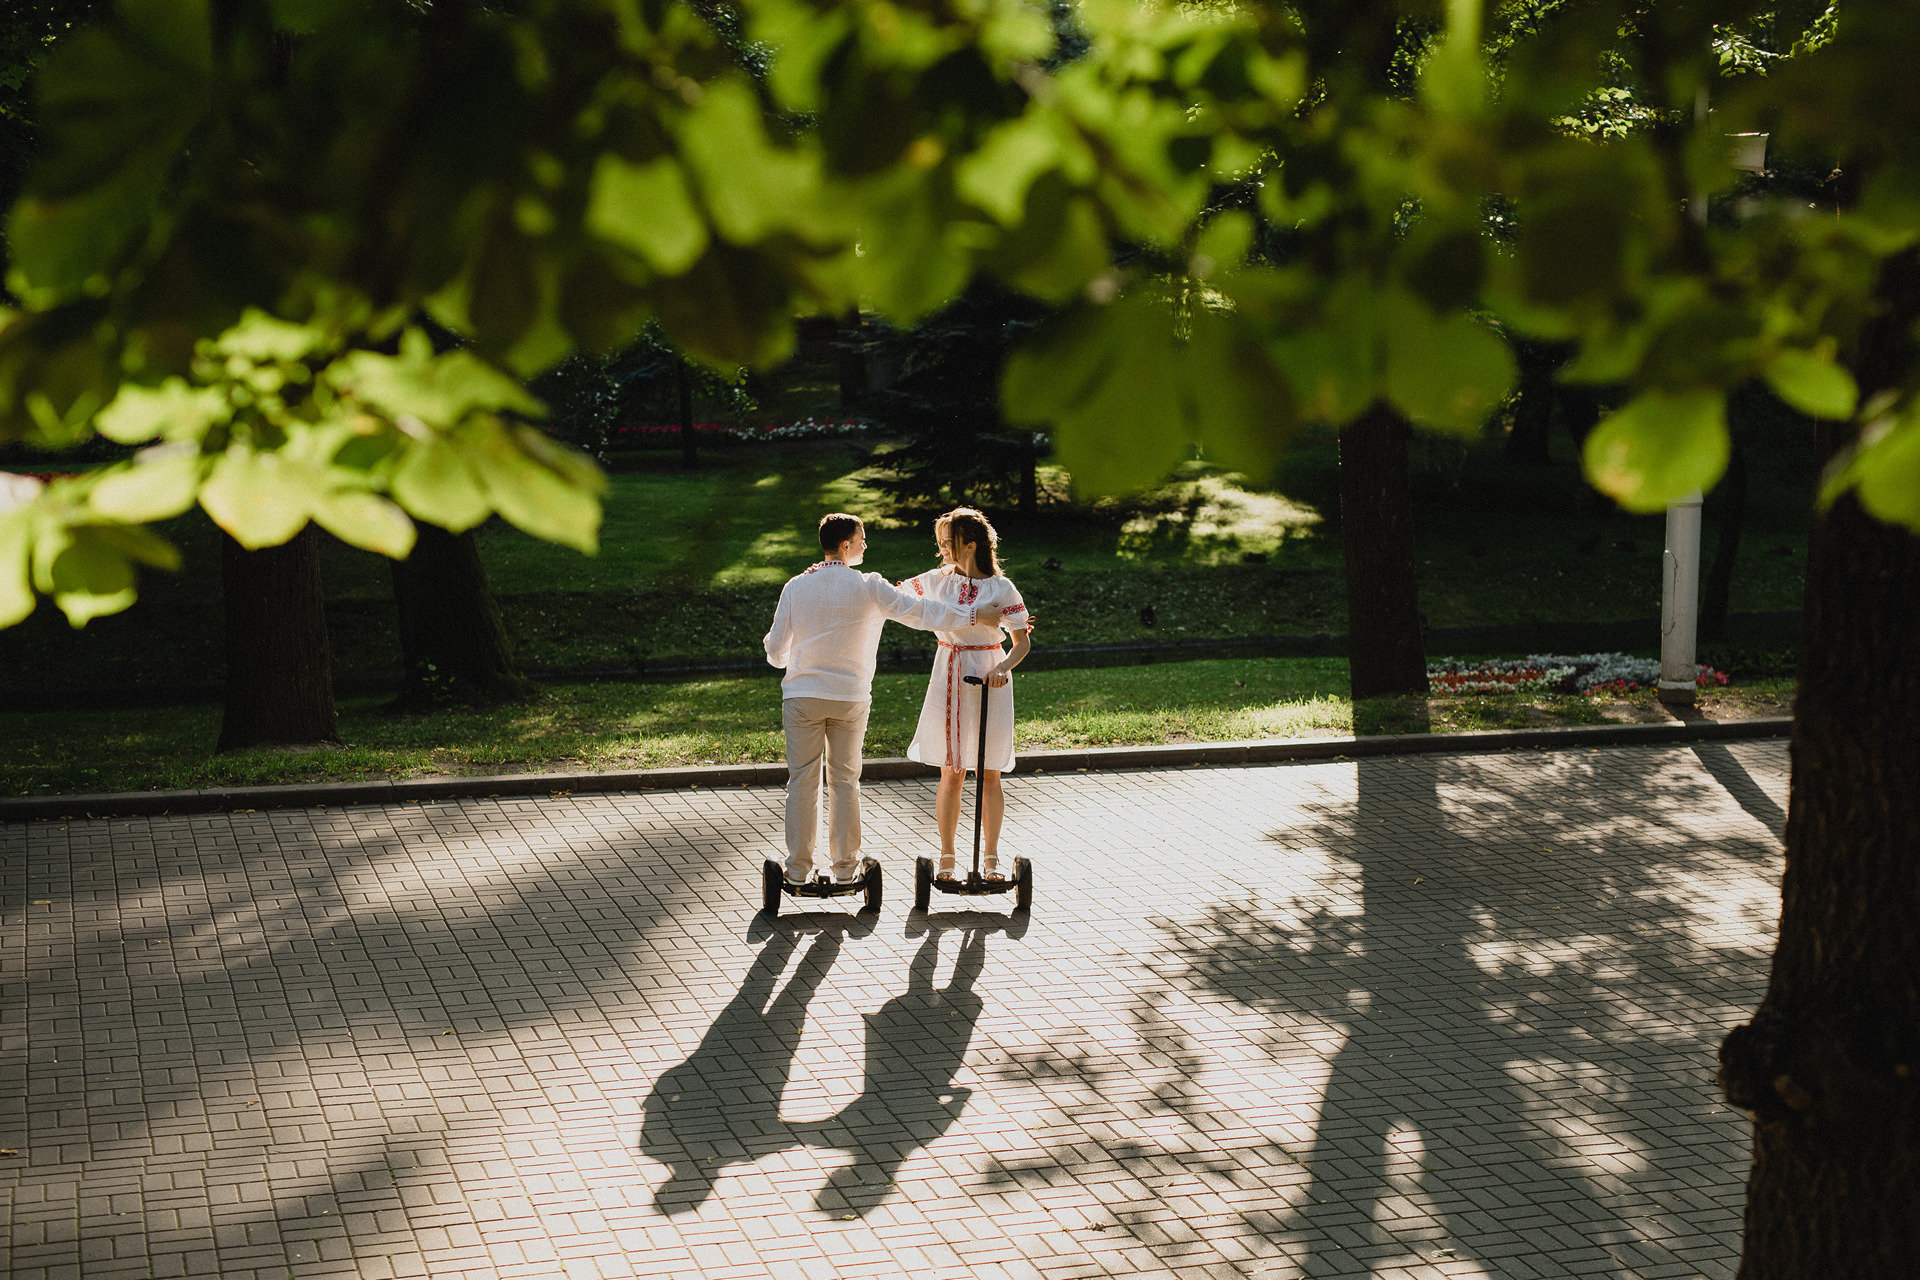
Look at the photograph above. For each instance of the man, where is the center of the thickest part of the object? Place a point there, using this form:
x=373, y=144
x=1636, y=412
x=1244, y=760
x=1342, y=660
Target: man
x=826, y=633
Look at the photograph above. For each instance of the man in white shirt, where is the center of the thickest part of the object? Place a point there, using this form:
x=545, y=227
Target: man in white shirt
x=826, y=633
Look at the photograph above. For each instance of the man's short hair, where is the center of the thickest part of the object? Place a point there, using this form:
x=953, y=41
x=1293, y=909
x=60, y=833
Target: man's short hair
x=837, y=528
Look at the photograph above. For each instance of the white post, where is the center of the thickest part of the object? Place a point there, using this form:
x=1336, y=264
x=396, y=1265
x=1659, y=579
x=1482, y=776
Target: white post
x=1680, y=602
x=1680, y=565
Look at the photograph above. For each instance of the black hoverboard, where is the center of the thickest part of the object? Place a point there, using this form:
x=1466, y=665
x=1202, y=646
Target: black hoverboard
x=1020, y=883
x=774, y=882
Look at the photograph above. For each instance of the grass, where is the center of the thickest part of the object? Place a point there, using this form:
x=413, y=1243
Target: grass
x=615, y=725
x=692, y=561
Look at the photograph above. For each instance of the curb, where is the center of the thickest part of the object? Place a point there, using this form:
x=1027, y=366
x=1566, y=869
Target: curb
x=1266, y=751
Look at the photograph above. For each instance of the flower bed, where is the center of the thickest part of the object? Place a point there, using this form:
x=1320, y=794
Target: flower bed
x=805, y=429
x=1586, y=673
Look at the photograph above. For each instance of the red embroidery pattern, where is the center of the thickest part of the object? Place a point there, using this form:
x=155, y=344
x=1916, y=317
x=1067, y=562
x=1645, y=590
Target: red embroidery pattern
x=969, y=591
x=812, y=568
x=955, y=752
x=917, y=588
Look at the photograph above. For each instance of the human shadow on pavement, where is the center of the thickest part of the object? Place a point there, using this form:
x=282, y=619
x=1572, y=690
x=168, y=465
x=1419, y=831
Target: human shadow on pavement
x=722, y=1104
x=915, y=1045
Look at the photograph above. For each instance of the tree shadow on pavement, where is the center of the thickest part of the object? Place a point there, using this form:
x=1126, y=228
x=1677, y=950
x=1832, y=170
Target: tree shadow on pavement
x=1525, y=966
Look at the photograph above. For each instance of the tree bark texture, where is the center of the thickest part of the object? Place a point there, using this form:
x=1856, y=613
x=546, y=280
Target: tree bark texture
x=1385, y=651
x=1829, y=1065
x=452, y=642
x=1716, y=589
x=279, y=672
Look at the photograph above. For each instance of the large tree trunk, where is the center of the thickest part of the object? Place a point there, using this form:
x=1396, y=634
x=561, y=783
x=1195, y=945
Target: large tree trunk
x=452, y=642
x=279, y=673
x=1829, y=1066
x=1385, y=651
x=1716, y=590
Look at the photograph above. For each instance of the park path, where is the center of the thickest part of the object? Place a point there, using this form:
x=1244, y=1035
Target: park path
x=1406, y=1017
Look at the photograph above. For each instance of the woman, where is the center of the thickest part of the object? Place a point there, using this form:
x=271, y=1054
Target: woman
x=949, y=731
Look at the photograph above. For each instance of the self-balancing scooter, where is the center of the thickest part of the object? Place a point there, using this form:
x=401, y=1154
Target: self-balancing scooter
x=1020, y=884
x=774, y=882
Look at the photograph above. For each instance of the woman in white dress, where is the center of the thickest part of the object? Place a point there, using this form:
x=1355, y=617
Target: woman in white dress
x=949, y=731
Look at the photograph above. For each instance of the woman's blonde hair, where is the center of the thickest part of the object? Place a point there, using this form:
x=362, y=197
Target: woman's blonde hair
x=964, y=524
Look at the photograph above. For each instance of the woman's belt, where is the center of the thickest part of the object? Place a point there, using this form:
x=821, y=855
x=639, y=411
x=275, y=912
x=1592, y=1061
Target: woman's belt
x=945, y=645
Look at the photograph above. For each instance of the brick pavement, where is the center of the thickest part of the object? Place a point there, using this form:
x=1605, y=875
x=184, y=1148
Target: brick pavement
x=1439, y=1016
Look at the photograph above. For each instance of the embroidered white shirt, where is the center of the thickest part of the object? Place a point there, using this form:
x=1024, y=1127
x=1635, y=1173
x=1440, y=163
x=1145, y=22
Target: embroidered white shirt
x=826, y=632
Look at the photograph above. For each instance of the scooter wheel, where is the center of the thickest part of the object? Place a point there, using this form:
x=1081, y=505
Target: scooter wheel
x=1023, y=880
x=771, y=877
x=873, y=887
x=922, y=883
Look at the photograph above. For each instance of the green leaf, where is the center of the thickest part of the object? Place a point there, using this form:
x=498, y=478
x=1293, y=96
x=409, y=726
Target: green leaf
x=1332, y=361
x=1109, y=382
x=90, y=578
x=434, y=483
x=752, y=187
x=262, y=338
x=1660, y=447
x=1816, y=387
x=1889, y=476
x=365, y=520
x=996, y=176
x=1446, y=374
x=647, y=210
x=155, y=486
x=438, y=390
x=259, y=498
x=173, y=410
x=16, y=583
x=1883, y=468
x=1241, y=405
x=532, y=496
x=178, y=29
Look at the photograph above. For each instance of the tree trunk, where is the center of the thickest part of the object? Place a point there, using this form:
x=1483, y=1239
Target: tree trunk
x=279, y=673
x=1716, y=591
x=852, y=361
x=452, y=642
x=1829, y=1065
x=1385, y=651
x=683, y=382
x=1530, y=441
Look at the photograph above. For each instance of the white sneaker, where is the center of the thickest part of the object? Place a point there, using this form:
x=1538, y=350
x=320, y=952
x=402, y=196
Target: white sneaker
x=795, y=873
x=848, y=875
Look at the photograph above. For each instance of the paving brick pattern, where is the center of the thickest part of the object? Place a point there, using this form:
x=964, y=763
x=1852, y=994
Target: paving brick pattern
x=1439, y=1016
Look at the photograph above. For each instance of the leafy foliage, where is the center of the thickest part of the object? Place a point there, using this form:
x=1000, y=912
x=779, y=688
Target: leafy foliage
x=548, y=177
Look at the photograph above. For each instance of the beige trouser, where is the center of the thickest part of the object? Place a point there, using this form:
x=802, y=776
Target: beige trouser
x=823, y=729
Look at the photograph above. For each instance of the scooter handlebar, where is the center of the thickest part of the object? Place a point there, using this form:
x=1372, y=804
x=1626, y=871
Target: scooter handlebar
x=971, y=680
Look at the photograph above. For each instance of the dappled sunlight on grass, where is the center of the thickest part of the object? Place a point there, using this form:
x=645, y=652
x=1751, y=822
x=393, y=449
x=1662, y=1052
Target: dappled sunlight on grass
x=1211, y=519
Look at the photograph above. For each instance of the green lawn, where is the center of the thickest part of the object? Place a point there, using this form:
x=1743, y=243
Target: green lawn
x=621, y=725
x=692, y=561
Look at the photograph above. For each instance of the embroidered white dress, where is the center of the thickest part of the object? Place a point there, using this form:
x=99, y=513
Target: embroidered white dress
x=949, y=731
